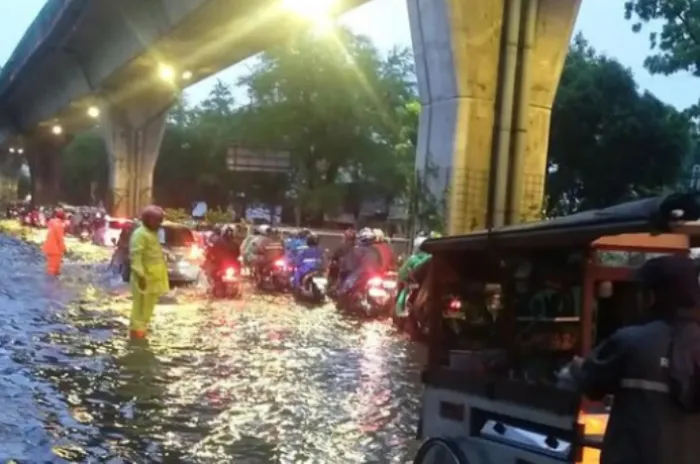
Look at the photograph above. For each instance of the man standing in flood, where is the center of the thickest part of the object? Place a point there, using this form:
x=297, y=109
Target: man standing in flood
x=55, y=246
x=149, y=271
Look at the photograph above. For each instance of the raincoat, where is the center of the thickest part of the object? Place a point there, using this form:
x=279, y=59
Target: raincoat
x=307, y=260
x=54, y=246
x=147, y=262
x=415, y=261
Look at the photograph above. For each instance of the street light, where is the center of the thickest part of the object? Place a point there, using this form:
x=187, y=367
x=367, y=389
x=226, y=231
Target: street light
x=93, y=112
x=20, y=150
x=12, y=149
x=57, y=130
x=166, y=72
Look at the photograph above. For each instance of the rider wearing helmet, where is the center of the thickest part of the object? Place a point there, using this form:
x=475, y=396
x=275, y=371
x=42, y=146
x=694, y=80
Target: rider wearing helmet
x=339, y=267
x=384, y=250
x=308, y=259
x=149, y=271
x=411, y=271
x=225, y=249
x=364, y=259
x=269, y=249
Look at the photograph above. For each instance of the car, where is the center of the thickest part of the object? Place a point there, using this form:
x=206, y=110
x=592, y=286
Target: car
x=108, y=233
x=183, y=256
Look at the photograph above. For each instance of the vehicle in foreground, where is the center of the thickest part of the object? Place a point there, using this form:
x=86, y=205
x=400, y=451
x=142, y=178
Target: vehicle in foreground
x=531, y=298
x=184, y=257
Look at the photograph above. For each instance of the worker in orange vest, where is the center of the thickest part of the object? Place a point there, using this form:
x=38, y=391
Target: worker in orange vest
x=55, y=246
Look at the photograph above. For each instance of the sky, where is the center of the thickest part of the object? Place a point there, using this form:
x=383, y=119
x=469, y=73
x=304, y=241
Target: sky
x=386, y=23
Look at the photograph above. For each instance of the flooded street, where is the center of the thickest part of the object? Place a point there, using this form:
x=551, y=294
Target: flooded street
x=259, y=380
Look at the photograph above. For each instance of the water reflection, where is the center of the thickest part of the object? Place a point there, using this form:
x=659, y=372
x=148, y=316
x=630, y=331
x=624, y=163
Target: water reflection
x=257, y=380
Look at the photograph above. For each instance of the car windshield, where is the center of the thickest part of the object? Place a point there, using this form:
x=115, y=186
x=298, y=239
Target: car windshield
x=176, y=236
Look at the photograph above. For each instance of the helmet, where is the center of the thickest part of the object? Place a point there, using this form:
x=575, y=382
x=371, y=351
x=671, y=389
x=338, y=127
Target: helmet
x=59, y=213
x=264, y=229
x=312, y=240
x=152, y=212
x=418, y=242
x=227, y=231
x=304, y=233
x=379, y=235
x=350, y=235
x=366, y=236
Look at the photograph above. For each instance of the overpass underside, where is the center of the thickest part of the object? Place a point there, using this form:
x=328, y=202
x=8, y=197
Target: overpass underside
x=487, y=73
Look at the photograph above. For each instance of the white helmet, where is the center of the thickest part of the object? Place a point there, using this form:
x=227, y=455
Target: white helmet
x=379, y=235
x=366, y=235
x=418, y=242
x=264, y=228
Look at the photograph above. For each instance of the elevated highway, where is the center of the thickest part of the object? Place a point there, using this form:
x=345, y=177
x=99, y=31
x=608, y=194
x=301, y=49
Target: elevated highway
x=487, y=74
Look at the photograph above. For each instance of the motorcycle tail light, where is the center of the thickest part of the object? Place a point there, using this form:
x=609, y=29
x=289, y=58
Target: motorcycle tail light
x=230, y=273
x=454, y=306
x=280, y=263
x=375, y=282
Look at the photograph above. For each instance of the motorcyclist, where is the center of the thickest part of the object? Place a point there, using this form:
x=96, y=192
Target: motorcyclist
x=363, y=260
x=226, y=249
x=295, y=242
x=268, y=250
x=250, y=245
x=309, y=258
x=340, y=268
x=385, y=251
x=407, y=272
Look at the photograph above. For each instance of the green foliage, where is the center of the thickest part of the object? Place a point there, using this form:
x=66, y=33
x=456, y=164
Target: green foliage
x=84, y=169
x=676, y=46
x=608, y=142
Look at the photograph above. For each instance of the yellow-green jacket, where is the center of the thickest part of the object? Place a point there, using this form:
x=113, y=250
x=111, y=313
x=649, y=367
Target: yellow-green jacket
x=148, y=261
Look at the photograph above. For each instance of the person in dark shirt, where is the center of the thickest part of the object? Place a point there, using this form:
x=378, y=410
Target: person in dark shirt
x=651, y=369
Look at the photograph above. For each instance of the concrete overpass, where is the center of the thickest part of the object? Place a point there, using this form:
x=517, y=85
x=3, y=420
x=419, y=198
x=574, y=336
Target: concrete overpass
x=487, y=75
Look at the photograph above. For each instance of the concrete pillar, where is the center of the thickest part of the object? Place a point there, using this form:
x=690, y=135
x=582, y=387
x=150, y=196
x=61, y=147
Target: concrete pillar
x=133, y=130
x=457, y=46
x=42, y=150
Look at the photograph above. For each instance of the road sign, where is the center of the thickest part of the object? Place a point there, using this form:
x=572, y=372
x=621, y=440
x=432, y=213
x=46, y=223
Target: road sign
x=246, y=159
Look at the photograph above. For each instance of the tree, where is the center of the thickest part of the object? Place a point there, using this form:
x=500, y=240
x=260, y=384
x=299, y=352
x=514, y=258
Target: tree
x=608, y=142
x=334, y=104
x=85, y=169
x=677, y=46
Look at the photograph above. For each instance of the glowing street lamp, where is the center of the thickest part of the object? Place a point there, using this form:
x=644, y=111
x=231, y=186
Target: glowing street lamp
x=167, y=73
x=57, y=130
x=20, y=150
x=93, y=112
x=12, y=149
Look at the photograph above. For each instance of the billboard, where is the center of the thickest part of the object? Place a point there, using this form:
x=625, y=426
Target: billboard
x=240, y=158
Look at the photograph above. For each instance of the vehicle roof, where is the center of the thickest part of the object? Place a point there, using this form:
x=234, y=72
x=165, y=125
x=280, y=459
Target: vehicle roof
x=651, y=215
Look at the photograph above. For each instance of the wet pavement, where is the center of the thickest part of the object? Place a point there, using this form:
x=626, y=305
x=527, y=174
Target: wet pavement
x=260, y=380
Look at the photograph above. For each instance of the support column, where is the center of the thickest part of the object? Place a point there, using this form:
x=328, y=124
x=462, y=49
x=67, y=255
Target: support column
x=43, y=153
x=133, y=131
x=458, y=46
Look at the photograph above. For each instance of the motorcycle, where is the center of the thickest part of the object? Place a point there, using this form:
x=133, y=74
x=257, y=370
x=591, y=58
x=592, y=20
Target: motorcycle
x=275, y=276
x=372, y=298
x=226, y=282
x=313, y=286
x=85, y=232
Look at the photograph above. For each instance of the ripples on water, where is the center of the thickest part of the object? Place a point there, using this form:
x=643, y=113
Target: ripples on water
x=250, y=381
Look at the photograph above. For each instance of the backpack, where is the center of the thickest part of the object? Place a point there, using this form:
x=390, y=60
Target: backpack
x=684, y=366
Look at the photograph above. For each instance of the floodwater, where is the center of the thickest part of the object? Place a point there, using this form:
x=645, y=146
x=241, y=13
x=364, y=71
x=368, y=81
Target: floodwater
x=253, y=381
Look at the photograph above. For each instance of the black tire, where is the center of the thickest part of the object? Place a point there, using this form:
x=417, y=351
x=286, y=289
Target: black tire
x=443, y=448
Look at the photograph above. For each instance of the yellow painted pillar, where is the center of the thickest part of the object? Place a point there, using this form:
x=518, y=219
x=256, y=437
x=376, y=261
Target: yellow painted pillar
x=457, y=46
x=554, y=25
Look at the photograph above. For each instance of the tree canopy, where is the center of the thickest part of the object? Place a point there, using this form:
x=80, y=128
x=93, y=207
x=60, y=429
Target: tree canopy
x=608, y=141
